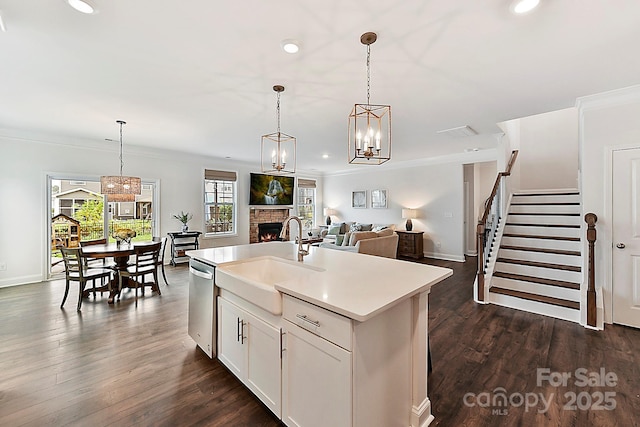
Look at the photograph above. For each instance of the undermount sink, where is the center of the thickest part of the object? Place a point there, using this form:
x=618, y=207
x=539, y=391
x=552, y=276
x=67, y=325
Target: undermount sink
x=254, y=279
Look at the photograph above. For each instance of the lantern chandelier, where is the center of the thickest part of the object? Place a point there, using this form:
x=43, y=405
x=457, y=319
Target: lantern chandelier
x=120, y=188
x=278, y=150
x=369, y=124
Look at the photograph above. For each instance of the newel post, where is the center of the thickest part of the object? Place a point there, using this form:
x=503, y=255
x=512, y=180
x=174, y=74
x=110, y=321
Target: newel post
x=591, y=220
x=480, y=234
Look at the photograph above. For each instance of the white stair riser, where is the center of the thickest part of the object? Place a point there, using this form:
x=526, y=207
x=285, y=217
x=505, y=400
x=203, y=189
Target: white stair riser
x=536, y=288
x=540, y=257
x=544, y=219
x=543, y=273
x=536, y=307
x=542, y=231
x=542, y=243
x=547, y=198
x=545, y=208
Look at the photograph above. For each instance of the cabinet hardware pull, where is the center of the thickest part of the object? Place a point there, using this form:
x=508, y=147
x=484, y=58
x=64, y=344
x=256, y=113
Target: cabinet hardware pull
x=242, y=335
x=306, y=319
x=238, y=332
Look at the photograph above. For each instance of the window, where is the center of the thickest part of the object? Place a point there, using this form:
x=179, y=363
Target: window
x=219, y=203
x=307, y=202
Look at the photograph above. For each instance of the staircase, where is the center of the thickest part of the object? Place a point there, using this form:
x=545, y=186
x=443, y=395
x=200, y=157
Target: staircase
x=538, y=264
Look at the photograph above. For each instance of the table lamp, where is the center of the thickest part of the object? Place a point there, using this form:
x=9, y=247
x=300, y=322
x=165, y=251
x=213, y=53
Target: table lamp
x=409, y=213
x=328, y=212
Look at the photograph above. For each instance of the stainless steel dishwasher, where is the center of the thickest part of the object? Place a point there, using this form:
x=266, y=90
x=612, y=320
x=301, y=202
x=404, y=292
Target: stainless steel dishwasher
x=202, y=306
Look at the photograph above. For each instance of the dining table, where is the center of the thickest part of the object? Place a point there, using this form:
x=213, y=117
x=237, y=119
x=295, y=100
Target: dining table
x=120, y=252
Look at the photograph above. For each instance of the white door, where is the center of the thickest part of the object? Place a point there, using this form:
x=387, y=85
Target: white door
x=316, y=380
x=231, y=337
x=626, y=237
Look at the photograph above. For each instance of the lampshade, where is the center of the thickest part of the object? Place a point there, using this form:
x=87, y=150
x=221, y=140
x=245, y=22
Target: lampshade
x=278, y=150
x=409, y=213
x=369, y=124
x=119, y=188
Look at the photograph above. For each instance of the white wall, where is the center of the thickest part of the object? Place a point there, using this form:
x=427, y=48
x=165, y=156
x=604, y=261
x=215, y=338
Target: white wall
x=436, y=190
x=548, y=150
x=25, y=164
x=608, y=121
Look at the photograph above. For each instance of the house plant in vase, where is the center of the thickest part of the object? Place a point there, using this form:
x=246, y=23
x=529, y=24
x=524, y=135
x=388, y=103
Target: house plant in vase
x=184, y=218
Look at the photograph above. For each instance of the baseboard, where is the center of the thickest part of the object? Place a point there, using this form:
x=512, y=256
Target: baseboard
x=445, y=257
x=23, y=280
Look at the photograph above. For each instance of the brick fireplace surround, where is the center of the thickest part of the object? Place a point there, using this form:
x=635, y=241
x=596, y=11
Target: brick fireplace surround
x=259, y=216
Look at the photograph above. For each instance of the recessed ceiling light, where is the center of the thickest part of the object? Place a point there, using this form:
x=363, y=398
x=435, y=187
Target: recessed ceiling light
x=83, y=6
x=290, y=46
x=325, y=156
x=520, y=7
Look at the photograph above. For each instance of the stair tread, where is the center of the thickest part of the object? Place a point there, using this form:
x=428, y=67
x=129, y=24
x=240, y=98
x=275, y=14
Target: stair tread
x=542, y=250
x=539, y=280
x=539, y=298
x=545, y=203
x=544, y=213
x=567, y=193
x=532, y=236
x=528, y=263
x=543, y=225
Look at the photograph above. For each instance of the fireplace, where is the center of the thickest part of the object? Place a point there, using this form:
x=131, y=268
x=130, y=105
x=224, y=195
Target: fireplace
x=269, y=231
x=265, y=216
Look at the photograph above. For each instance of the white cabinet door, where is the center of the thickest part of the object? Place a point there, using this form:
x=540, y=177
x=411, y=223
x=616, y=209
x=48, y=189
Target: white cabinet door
x=250, y=348
x=316, y=380
x=262, y=372
x=231, y=349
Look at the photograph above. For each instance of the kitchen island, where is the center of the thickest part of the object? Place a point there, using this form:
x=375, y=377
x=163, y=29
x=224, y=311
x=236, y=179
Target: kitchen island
x=342, y=343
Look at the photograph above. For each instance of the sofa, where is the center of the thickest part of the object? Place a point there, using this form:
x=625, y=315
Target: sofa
x=382, y=243
x=336, y=233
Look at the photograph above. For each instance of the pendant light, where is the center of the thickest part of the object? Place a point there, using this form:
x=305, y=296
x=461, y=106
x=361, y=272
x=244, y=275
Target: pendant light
x=369, y=124
x=278, y=150
x=119, y=188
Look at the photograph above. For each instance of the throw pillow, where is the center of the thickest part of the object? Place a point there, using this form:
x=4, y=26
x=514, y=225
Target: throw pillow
x=339, y=239
x=347, y=236
x=379, y=228
x=355, y=227
x=334, y=229
x=365, y=227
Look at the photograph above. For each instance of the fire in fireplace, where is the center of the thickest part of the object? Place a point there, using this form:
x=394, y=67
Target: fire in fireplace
x=269, y=231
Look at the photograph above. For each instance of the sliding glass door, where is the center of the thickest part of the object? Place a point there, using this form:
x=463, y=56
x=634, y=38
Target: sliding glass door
x=79, y=212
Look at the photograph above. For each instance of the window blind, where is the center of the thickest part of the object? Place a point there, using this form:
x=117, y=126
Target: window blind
x=306, y=183
x=220, y=175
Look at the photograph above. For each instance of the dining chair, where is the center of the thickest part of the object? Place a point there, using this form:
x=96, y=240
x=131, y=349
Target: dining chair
x=146, y=263
x=96, y=262
x=77, y=271
x=161, y=258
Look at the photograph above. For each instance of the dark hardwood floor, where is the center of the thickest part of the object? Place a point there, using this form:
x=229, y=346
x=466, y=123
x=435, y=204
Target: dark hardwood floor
x=122, y=365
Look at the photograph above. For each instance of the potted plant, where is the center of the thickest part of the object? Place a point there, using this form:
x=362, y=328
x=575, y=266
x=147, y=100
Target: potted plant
x=184, y=218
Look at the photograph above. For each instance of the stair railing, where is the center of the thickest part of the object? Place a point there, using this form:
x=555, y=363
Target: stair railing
x=488, y=223
x=592, y=313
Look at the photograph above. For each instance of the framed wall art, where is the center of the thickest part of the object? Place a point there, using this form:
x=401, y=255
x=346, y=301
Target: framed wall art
x=359, y=199
x=379, y=199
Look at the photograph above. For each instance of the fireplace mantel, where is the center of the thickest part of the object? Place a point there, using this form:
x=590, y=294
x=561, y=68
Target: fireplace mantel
x=259, y=216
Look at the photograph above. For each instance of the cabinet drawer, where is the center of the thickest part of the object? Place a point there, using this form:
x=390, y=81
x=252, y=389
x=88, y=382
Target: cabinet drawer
x=324, y=323
x=407, y=246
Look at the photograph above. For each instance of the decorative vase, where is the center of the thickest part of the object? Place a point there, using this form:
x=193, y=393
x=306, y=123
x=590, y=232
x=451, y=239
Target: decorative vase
x=409, y=225
x=185, y=228
x=328, y=220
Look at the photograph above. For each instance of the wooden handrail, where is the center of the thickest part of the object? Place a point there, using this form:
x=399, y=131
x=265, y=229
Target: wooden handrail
x=592, y=313
x=480, y=230
x=496, y=185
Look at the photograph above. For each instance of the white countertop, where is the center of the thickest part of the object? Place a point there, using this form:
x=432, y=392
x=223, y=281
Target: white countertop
x=355, y=285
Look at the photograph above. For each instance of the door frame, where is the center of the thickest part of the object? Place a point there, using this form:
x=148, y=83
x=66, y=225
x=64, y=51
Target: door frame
x=49, y=176
x=606, y=238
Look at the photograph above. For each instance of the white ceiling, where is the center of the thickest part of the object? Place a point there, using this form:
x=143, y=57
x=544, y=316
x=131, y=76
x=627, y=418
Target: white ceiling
x=197, y=75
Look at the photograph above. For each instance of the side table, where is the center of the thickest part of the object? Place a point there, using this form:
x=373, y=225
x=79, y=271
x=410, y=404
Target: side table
x=410, y=244
x=181, y=242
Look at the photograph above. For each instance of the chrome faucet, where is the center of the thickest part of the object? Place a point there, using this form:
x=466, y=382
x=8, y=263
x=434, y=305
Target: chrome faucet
x=301, y=252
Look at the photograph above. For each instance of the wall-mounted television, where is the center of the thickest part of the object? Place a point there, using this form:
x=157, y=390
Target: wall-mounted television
x=271, y=190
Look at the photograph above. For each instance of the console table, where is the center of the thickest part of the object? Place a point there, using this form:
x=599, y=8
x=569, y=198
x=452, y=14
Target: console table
x=181, y=242
x=410, y=244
